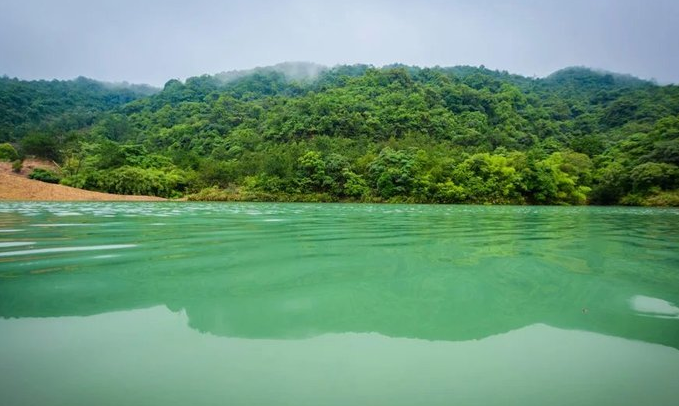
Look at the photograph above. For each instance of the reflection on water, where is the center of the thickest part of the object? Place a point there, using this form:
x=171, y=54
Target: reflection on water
x=158, y=362
x=655, y=307
x=339, y=304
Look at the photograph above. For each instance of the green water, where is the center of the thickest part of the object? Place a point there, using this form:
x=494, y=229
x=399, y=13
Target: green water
x=300, y=304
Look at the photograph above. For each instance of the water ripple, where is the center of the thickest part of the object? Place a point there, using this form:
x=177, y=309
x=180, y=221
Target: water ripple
x=66, y=249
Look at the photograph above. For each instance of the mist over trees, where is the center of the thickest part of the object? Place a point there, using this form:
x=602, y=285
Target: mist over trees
x=303, y=132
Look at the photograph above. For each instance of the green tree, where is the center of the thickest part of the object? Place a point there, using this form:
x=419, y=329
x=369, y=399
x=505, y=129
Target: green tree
x=7, y=152
x=393, y=173
x=41, y=145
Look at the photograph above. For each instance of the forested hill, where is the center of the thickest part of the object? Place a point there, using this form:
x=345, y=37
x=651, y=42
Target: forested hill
x=59, y=106
x=398, y=133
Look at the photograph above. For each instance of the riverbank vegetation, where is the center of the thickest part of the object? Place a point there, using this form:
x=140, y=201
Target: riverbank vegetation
x=299, y=132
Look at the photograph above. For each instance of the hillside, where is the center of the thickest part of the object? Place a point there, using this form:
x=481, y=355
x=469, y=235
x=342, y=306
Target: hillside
x=59, y=106
x=17, y=187
x=400, y=133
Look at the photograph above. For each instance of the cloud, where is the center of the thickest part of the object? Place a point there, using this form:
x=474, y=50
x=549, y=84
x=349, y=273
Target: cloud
x=152, y=41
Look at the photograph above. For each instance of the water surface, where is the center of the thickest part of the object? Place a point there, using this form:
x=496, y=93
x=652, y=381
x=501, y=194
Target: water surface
x=302, y=304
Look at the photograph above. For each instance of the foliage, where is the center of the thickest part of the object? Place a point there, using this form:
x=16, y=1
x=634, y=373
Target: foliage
x=41, y=145
x=212, y=194
x=58, y=106
x=44, y=175
x=667, y=198
x=130, y=180
x=7, y=152
x=297, y=132
x=17, y=165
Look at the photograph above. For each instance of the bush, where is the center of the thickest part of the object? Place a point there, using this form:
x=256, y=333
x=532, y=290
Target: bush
x=87, y=180
x=17, y=165
x=668, y=199
x=44, y=175
x=7, y=152
x=657, y=198
x=41, y=145
x=130, y=180
x=650, y=174
x=212, y=194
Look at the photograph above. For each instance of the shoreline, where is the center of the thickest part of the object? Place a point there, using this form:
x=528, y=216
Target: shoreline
x=18, y=188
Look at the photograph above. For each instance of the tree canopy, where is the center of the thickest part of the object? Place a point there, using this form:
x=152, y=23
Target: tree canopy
x=399, y=133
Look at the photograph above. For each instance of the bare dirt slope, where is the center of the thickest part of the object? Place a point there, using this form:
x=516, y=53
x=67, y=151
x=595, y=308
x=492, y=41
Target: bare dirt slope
x=19, y=187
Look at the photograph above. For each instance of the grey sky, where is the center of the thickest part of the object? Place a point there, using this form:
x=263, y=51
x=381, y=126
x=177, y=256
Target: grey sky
x=152, y=41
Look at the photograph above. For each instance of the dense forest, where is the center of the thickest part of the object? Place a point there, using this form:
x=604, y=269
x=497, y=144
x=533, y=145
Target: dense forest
x=302, y=132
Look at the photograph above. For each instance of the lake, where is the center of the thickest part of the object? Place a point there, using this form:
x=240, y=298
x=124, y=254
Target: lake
x=337, y=304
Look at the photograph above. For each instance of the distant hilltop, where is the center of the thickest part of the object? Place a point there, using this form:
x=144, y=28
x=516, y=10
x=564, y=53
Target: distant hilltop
x=309, y=71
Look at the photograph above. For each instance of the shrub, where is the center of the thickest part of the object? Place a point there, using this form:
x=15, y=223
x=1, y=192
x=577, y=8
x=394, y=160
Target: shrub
x=669, y=198
x=41, y=145
x=650, y=174
x=130, y=180
x=17, y=165
x=212, y=194
x=44, y=175
x=7, y=152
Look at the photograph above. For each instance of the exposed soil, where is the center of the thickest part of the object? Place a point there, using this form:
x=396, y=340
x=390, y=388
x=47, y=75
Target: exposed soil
x=17, y=186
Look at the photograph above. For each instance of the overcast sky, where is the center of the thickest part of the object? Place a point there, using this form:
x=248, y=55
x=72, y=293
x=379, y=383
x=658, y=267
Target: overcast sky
x=151, y=41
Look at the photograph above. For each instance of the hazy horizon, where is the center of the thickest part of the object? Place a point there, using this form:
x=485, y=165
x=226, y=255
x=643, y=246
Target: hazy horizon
x=160, y=85
x=154, y=41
